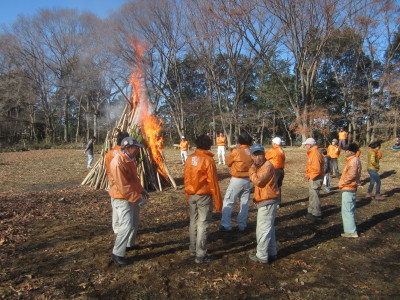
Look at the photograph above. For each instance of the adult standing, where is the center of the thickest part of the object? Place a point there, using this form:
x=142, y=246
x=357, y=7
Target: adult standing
x=239, y=160
x=374, y=156
x=201, y=188
x=126, y=193
x=277, y=157
x=348, y=184
x=184, y=146
x=107, y=159
x=334, y=152
x=342, y=138
x=221, y=144
x=266, y=198
x=315, y=175
x=89, y=151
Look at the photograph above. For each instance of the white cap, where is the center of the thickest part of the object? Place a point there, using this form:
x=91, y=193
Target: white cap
x=310, y=141
x=182, y=137
x=277, y=140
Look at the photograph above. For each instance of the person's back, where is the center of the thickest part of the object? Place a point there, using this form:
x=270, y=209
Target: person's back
x=201, y=188
x=276, y=156
x=239, y=161
x=198, y=169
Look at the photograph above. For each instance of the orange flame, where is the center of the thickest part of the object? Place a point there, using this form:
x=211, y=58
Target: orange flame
x=150, y=125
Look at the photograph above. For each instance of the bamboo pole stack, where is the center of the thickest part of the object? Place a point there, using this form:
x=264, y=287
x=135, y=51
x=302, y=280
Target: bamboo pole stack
x=150, y=179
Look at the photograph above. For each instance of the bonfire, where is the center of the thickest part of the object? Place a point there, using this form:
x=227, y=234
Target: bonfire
x=139, y=121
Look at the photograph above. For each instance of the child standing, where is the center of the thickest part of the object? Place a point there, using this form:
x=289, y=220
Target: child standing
x=374, y=155
x=327, y=170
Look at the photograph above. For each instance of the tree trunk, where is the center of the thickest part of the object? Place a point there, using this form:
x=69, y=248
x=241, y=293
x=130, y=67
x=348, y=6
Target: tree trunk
x=395, y=126
x=262, y=131
x=95, y=125
x=87, y=121
x=273, y=125
x=66, y=123
x=78, y=124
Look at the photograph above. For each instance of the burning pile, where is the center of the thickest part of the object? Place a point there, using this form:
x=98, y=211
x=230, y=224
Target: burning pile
x=137, y=119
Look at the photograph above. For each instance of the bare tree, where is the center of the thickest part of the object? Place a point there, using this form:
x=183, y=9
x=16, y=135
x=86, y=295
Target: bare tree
x=305, y=31
x=161, y=25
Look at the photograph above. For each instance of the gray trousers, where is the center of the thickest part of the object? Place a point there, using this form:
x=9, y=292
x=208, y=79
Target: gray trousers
x=314, y=205
x=200, y=218
x=239, y=188
x=125, y=221
x=265, y=231
x=335, y=167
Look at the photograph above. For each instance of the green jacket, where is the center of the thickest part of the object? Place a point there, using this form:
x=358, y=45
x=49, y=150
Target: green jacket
x=373, y=160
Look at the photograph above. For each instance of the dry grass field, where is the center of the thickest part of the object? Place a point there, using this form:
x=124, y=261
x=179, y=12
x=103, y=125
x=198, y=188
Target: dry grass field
x=56, y=239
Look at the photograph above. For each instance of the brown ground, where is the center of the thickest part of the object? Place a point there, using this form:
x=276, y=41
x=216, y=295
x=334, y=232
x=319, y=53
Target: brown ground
x=56, y=239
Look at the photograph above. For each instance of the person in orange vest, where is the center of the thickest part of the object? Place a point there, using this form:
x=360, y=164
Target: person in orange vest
x=201, y=188
x=184, y=146
x=334, y=152
x=277, y=157
x=348, y=184
x=221, y=143
x=342, y=138
x=115, y=220
x=239, y=186
x=266, y=199
x=126, y=193
x=315, y=175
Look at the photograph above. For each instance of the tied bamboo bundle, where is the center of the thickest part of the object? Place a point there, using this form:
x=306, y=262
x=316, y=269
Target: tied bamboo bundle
x=151, y=176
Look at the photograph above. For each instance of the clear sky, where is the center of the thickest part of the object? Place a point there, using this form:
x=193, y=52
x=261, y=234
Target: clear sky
x=10, y=9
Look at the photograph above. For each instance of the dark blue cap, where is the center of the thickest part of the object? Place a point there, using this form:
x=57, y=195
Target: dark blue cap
x=256, y=147
x=129, y=141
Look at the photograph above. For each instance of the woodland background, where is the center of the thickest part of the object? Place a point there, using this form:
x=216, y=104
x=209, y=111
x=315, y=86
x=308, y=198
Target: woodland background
x=271, y=67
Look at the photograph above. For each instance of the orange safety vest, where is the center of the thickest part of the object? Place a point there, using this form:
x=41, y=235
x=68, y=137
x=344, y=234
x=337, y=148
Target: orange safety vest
x=277, y=157
x=184, y=145
x=200, y=177
x=333, y=151
x=221, y=141
x=342, y=135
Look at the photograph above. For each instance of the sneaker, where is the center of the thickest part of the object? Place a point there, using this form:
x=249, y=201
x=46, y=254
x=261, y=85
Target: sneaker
x=327, y=189
x=201, y=260
x=224, y=229
x=380, y=197
x=312, y=217
x=193, y=253
x=350, y=235
x=368, y=195
x=253, y=257
x=119, y=260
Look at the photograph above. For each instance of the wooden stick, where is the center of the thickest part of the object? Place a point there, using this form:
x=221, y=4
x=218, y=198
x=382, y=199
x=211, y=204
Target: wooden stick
x=169, y=176
x=122, y=92
x=159, y=182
